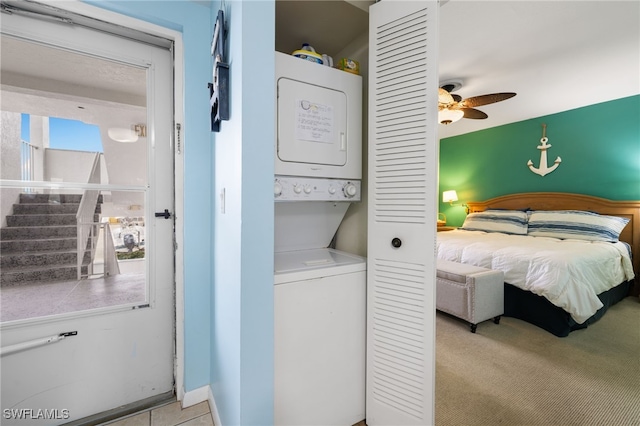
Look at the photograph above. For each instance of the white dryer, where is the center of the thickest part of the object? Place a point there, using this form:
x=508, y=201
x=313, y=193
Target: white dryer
x=319, y=120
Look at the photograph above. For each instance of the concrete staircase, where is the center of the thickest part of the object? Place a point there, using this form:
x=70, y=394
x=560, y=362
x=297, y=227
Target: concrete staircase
x=39, y=242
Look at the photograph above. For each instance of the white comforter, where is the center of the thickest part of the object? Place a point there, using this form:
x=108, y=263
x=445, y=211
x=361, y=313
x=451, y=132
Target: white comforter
x=569, y=273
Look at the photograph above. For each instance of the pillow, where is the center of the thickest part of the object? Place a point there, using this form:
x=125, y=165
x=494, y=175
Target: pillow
x=506, y=221
x=578, y=225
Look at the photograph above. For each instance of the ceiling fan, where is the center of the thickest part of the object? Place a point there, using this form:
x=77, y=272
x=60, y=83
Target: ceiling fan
x=452, y=107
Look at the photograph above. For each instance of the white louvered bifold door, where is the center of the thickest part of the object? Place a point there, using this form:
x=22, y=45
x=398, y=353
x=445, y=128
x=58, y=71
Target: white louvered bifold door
x=403, y=84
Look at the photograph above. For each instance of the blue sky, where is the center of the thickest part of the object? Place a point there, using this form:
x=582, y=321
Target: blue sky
x=68, y=134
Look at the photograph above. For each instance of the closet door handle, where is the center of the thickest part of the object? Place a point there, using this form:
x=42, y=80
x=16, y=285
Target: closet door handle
x=396, y=242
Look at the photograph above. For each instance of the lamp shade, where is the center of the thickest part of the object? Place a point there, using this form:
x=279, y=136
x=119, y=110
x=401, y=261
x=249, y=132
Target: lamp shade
x=448, y=116
x=449, y=196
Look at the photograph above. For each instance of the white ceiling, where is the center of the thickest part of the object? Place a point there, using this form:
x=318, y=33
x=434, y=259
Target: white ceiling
x=52, y=82
x=556, y=55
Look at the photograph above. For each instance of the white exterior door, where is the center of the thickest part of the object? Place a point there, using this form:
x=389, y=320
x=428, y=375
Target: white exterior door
x=123, y=352
x=403, y=162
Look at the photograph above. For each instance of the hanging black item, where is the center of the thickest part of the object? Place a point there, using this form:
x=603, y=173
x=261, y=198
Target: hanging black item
x=219, y=89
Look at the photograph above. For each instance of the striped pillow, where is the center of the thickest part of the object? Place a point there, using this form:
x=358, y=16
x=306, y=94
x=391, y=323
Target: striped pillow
x=505, y=221
x=577, y=225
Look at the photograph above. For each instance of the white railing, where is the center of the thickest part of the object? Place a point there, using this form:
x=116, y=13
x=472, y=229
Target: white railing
x=27, y=152
x=84, y=218
x=111, y=266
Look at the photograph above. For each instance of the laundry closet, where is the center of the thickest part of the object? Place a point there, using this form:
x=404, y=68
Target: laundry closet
x=332, y=305
x=320, y=290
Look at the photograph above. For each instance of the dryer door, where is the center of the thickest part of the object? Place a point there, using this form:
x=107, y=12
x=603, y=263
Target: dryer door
x=312, y=124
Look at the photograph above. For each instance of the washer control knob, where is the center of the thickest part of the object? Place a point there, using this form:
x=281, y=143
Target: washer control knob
x=277, y=189
x=296, y=188
x=350, y=190
x=332, y=190
x=307, y=189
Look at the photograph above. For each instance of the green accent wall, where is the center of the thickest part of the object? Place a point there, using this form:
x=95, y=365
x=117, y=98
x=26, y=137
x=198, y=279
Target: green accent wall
x=599, y=146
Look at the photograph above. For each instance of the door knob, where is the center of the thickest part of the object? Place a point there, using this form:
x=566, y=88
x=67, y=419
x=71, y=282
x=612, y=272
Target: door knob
x=396, y=242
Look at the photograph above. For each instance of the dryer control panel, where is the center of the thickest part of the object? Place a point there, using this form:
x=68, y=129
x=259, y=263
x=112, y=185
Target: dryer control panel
x=296, y=188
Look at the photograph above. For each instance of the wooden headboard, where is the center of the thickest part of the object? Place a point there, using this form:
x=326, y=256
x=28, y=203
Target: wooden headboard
x=566, y=201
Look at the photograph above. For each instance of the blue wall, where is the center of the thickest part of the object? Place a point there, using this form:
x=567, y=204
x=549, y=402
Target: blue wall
x=599, y=146
x=242, y=334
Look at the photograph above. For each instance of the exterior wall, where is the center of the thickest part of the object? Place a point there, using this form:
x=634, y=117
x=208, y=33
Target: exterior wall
x=9, y=160
x=39, y=137
x=67, y=166
x=599, y=146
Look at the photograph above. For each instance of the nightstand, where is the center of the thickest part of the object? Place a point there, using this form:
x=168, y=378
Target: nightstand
x=446, y=228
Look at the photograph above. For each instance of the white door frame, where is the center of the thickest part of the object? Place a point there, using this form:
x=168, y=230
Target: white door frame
x=137, y=24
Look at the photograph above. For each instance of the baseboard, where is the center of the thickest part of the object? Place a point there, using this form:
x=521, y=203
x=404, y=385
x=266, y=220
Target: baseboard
x=195, y=396
x=199, y=395
x=214, y=409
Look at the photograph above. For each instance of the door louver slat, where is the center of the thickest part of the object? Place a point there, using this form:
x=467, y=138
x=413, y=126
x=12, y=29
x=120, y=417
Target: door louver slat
x=402, y=176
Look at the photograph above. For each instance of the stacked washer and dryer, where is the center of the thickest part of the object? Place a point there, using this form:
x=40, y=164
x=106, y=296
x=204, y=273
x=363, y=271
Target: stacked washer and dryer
x=320, y=292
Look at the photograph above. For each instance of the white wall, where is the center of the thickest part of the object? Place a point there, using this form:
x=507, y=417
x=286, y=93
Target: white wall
x=9, y=160
x=67, y=166
x=352, y=234
x=38, y=137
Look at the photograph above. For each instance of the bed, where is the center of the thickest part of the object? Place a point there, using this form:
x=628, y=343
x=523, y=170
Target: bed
x=559, y=284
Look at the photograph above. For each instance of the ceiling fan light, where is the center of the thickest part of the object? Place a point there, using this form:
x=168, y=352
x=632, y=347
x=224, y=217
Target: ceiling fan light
x=448, y=116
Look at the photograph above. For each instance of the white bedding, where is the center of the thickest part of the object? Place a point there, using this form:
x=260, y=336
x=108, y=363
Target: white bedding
x=569, y=273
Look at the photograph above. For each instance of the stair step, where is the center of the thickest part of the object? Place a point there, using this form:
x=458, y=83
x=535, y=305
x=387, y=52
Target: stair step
x=53, y=198
x=37, y=244
x=50, y=198
x=40, y=208
x=43, y=219
x=51, y=274
x=38, y=232
x=20, y=260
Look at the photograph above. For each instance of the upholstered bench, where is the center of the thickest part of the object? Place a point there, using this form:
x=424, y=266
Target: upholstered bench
x=469, y=292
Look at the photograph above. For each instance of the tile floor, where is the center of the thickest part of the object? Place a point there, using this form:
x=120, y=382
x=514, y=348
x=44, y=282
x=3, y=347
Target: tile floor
x=171, y=414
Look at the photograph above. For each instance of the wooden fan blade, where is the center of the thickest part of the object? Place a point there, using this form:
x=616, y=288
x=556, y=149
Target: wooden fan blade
x=476, y=101
x=444, y=97
x=474, y=114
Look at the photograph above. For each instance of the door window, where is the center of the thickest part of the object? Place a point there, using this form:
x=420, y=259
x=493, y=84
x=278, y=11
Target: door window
x=74, y=182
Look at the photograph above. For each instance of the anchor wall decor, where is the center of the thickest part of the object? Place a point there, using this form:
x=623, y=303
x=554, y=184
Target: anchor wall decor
x=543, y=147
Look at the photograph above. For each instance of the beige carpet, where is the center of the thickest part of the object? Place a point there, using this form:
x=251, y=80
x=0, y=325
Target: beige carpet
x=517, y=374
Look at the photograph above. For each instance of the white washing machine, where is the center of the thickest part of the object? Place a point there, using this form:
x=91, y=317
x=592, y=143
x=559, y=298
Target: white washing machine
x=320, y=307
x=320, y=325
x=320, y=293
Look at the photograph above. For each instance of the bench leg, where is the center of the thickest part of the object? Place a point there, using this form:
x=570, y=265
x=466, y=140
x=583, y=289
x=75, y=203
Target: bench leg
x=473, y=327
x=496, y=320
